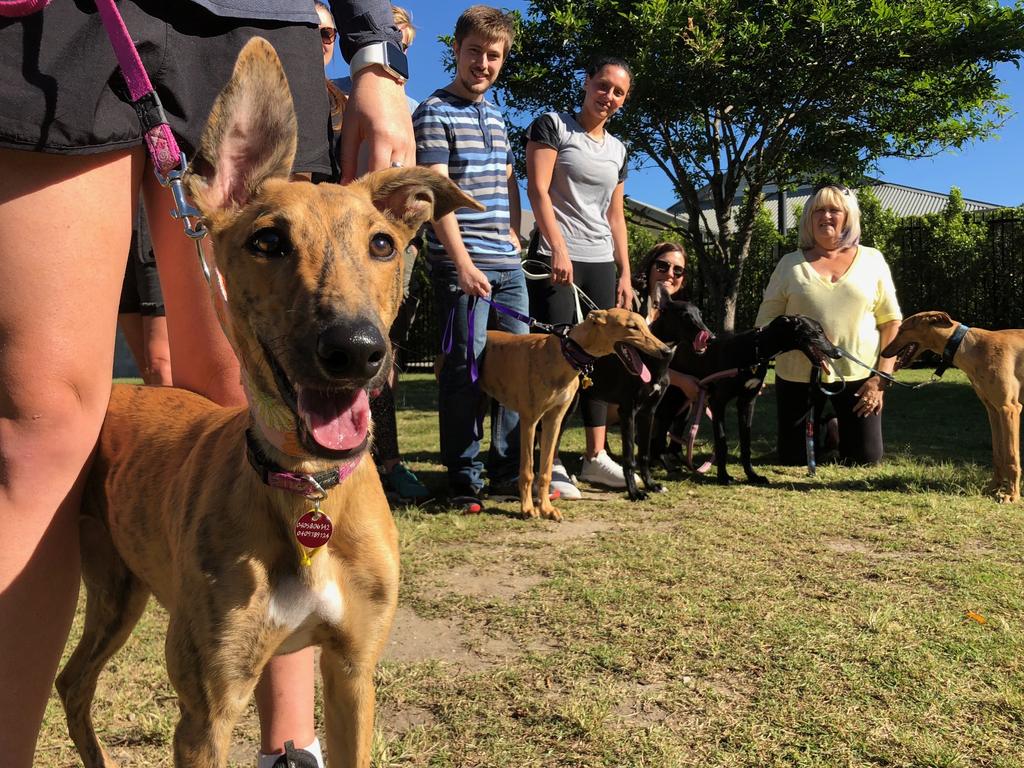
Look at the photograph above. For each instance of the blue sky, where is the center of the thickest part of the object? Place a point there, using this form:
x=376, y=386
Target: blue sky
x=991, y=171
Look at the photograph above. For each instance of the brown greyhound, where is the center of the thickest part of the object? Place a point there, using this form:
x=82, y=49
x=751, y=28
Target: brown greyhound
x=260, y=530
x=994, y=363
x=537, y=375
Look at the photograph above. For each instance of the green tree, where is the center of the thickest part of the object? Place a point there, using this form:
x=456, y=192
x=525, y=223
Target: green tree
x=740, y=93
x=877, y=224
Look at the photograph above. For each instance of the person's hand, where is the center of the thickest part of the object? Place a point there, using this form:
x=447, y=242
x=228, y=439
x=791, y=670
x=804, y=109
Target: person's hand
x=473, y=282
x=377, y=115
x=514, y=239
x=624, y=293
x=561, y=267
x=870, y=398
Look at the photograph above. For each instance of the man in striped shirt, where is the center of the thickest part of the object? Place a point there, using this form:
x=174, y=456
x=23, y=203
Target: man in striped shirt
x=473, y=254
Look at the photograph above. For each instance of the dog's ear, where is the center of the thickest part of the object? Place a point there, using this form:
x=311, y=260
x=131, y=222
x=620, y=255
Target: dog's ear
x=598, y=316
x=250, y=136
x=415, y=195
x=938, y=319
x=662, y=297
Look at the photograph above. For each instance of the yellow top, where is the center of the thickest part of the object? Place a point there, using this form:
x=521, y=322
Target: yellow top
x=850, y=310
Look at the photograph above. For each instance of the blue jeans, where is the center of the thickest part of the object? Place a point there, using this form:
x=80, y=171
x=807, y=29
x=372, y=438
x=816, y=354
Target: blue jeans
x=458, y=401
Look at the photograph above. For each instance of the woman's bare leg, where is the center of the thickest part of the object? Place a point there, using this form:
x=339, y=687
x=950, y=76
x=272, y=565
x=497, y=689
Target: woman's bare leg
x=158, y=351
x=65, y=228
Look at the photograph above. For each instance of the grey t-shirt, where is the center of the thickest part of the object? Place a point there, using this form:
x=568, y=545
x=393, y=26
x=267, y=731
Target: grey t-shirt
x=585, y=176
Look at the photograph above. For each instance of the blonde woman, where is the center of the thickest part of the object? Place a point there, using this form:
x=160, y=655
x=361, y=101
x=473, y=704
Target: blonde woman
x=848, y=288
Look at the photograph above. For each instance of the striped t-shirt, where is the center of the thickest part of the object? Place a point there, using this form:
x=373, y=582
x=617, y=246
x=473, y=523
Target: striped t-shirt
x=469, y=137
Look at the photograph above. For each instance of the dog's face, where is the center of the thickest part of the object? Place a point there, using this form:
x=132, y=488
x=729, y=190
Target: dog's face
x=797, y=332
x=680, y=322
x=918, y=333
x=625, y=334
x=311, y=273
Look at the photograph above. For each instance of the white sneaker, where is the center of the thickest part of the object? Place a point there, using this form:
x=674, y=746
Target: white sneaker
x=563, y=482
x=603, y=470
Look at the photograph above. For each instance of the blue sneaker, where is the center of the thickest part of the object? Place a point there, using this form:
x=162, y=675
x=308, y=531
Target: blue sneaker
x=404, y=482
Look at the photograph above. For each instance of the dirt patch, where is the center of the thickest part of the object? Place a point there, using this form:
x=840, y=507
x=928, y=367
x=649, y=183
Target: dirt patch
x=415, y=639
x=493, y=581
x=640, y=705
x=849, y=546
x=405, y=719
x=569, y=530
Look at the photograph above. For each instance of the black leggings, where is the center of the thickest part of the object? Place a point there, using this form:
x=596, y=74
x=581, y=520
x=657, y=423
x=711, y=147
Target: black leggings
x=860, y=438
x=551, y=303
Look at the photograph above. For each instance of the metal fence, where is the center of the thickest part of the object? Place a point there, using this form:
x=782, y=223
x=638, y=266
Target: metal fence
x=983, y=286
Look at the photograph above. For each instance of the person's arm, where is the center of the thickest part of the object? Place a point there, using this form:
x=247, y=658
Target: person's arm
x=471, y=280
x=377, y=113
x=515, y=207
x=364, y=22
x=887, y=319
x=540, y=166
x=616, y=216
x=870, y=396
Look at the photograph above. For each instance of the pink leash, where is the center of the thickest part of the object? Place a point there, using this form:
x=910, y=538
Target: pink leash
x=698, y=412
x=14, y=8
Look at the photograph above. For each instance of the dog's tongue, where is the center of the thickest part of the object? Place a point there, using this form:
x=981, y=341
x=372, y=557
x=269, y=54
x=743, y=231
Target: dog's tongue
x=336, y=422
x=638, y=365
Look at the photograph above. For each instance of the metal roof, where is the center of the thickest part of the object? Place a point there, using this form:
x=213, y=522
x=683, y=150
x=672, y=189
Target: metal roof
x=901, y=199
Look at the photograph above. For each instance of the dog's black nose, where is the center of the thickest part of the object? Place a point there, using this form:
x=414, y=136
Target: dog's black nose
x=351, y=349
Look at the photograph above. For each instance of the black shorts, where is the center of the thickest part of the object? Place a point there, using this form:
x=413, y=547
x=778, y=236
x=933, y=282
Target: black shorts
x=140, y=292
x=63, y=93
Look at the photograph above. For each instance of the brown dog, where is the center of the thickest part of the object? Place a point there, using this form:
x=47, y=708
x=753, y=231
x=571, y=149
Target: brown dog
x=533, y=374
x=994, y=363
x=172, y=505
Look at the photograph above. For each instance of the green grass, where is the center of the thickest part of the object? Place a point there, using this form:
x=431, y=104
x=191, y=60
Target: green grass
x=817, y=622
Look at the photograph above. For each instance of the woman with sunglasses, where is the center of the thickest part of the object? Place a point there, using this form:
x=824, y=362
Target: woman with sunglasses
x=576, y=175
x=848, y=288
x=663, y=265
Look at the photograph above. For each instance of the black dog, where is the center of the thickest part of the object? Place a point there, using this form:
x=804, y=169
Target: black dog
x=678, y=323
x=749, y=352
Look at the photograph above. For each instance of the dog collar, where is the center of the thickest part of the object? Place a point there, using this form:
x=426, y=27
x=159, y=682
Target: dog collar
x=951, y=348
x=314, y=486
x=576, y=356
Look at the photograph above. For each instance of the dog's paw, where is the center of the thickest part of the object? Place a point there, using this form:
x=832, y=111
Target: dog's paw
x=725, y=480
x=653, y=487
x=551, y=514
x=638, y=495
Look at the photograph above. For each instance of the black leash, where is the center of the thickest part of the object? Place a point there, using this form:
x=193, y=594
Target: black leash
x=948, y=353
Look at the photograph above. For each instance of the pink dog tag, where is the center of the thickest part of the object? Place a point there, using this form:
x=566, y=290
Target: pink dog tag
x=313, y=529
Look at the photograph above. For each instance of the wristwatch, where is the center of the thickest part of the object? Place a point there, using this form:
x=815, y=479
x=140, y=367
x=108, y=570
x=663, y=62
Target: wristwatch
x=387, y=54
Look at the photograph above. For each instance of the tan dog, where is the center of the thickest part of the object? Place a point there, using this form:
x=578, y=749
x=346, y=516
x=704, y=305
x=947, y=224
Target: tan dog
x=994, y=363
x=172, y=505
x=532, y=374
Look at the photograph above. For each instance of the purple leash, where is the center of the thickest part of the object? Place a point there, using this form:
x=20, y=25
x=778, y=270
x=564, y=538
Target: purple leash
x=448, y=337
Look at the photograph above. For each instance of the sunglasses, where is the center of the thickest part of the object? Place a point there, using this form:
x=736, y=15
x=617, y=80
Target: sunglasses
x=663, y=267
x=328, y=34
x=837, y=187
